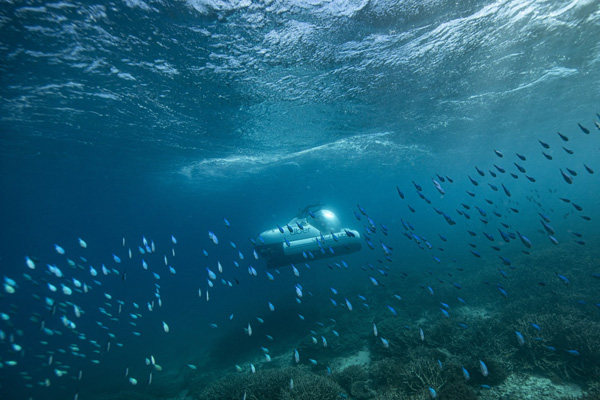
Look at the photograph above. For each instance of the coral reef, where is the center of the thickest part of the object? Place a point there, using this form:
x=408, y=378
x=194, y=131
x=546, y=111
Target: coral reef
x=272, y=384
x=564, y=328
x=361, y=390
x=386, y=372
x=308, y=386
x=350, y=375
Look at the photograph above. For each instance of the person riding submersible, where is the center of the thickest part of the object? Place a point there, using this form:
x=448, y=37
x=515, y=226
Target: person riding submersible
x=313, y=234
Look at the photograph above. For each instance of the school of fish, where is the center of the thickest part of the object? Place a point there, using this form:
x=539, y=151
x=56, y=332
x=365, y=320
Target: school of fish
x=483, y=212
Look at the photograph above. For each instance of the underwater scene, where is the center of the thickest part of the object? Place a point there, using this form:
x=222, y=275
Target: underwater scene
x=300, y=199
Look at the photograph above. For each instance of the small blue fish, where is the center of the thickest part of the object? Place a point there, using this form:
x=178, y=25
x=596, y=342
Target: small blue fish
x=520, y=338
x=348, y=304
x=438, y=186
x=563, y=279
x=504, y=236
x=483, y=367
x=505, y=261
x=566, y=177
x=563, y=137
x=465, y=373
x=524, y=240
x=503, y=292
x=520, y=168
x=400, y=192
x=394, y=312
x=432, y=392
x=574, y=353
x=547, y=227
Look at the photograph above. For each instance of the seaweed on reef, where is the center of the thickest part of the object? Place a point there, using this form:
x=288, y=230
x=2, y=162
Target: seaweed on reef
x=272, y=384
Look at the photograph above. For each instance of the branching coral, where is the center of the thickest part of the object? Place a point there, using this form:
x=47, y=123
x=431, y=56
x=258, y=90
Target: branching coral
x=422, y=373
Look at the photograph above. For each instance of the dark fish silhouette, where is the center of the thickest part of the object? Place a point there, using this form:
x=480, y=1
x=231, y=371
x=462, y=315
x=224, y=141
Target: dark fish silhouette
x=584, y=129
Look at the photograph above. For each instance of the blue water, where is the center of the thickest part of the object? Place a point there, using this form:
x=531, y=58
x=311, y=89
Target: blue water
x=149, y=119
